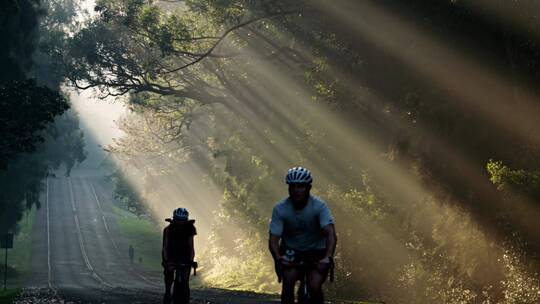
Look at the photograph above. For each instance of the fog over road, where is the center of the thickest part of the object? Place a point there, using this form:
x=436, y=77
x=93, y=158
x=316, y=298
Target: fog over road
x=76, y=245
x=77, y=252
x=78, y=255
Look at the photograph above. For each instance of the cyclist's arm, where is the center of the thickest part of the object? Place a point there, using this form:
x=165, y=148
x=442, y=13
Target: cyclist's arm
x=273, y=244
x=192, y=247
x=275, y=231
x=164, y=248
x=331, y=240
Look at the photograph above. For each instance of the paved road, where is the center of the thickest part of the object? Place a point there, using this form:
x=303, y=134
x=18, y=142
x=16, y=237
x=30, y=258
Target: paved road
x=75, y=243
x=76, y=252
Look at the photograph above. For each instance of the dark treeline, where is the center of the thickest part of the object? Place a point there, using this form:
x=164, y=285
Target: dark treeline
x=38, y=132
x=418, y=119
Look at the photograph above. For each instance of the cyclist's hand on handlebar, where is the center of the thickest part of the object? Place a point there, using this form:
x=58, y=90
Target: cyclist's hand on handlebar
x=324, y=264
x=283, y=260
x=325, y=260
x=169, y=267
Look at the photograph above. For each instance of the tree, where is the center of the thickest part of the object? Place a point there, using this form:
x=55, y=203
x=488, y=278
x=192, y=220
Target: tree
x=37, y=132
x=400, y=158
x=25, y=110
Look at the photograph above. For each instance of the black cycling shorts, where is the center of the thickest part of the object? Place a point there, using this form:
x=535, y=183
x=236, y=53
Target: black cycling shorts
x=310, y=257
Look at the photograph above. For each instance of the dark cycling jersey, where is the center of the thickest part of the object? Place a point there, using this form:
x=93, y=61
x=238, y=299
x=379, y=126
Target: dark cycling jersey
x=176, y=242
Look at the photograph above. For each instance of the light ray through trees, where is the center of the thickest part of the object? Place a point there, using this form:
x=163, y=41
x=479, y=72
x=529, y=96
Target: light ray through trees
x=459, y=165
x=268, y=118
x=282, y=89
x=478, y=88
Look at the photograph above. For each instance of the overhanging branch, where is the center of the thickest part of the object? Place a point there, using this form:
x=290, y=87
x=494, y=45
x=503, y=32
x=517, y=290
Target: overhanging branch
x=225, y=34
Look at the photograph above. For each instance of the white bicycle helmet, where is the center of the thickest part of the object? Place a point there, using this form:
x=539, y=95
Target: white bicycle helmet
x=180, y=214
x=298, y=175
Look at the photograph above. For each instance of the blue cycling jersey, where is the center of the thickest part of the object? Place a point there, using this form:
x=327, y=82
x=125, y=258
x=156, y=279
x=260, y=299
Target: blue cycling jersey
x=301, y=229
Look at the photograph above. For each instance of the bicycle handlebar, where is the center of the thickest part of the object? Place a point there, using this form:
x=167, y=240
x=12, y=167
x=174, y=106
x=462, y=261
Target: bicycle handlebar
x=304, y=264
x=193, y=264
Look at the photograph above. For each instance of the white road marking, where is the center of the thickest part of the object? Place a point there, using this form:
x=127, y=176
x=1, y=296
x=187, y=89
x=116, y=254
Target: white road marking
x=71, y=194
x=81, y=242
x=49, y=272
x=68, y=263
x=112, y=239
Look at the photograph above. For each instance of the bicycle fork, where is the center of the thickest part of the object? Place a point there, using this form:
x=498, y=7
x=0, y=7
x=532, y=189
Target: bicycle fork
x=303, y=290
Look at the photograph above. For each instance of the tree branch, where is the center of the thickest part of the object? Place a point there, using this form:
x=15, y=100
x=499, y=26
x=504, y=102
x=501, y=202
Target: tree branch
x=225, y=34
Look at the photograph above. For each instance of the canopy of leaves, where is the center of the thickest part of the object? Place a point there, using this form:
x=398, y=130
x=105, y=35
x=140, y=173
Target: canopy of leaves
x=25, y=110
x=35, y=137
x=18, y=29
x=390, y=128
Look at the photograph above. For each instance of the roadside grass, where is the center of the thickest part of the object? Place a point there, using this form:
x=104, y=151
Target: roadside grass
x=143, y=235
x=19, y=257
x=8, y=296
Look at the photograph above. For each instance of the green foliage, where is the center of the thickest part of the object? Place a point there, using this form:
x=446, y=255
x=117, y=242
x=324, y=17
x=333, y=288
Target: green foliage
x=125, y=193
x=134, y=47
x=18, y=29
x=397, y=157
x=25, y=110
x=34, y=137
x=24, y=177
x=508, y=179
x=245, y=266
x=8, y=296
x=519, y=285
x=20, y=256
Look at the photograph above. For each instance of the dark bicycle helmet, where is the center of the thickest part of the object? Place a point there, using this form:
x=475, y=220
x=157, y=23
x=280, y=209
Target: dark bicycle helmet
x=180, y=214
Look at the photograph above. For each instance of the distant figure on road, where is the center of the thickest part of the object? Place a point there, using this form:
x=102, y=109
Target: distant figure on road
x=131, y=253
x=302, y=239
x=178, y=255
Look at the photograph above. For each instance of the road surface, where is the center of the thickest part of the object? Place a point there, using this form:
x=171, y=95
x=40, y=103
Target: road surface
x=77, y=257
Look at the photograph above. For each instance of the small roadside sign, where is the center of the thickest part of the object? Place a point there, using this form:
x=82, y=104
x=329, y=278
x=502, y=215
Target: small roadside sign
x=7, y=241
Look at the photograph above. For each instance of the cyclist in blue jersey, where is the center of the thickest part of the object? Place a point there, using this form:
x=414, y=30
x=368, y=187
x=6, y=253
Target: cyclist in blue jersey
x=302, y=229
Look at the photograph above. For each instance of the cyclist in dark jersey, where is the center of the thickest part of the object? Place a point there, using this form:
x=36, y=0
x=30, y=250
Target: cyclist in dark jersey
x=302, y=224
x=178, y=254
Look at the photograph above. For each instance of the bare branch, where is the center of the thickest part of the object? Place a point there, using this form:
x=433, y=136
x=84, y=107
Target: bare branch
x=225, y=34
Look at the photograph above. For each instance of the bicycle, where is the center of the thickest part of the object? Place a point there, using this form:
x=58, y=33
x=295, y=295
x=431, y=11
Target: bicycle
x=304, y=292
x=180, y=290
